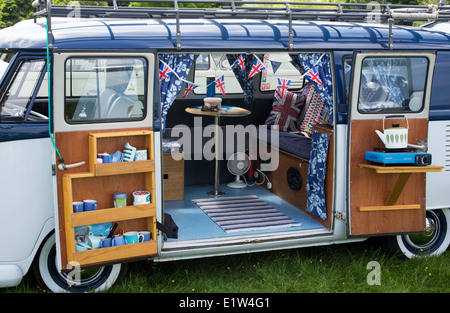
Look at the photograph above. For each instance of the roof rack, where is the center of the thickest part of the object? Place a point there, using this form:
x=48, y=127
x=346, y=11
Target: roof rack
x=230, y=9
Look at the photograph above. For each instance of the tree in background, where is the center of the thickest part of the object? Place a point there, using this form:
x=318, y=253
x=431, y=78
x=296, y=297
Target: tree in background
x=13, y=11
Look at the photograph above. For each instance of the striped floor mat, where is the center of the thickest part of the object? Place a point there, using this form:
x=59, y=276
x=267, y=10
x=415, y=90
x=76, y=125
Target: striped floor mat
x=244, y=213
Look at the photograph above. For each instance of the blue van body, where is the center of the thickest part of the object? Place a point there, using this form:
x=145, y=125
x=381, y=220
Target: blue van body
x=158, y=35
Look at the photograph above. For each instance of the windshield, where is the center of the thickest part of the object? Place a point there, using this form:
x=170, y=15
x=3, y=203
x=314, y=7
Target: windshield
x=5, y=58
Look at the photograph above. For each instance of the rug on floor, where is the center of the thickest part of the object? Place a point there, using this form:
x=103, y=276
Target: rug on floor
x=244, y=213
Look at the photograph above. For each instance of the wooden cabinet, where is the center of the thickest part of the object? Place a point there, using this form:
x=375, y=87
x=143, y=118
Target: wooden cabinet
x=173, y=176
x=100, y=183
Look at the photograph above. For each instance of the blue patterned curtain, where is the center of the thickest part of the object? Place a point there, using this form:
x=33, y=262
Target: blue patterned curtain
x=319, y=146
x=171, y=86
x=246, y=84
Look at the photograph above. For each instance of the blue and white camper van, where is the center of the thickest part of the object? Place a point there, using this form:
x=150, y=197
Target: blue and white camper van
x=169, y=133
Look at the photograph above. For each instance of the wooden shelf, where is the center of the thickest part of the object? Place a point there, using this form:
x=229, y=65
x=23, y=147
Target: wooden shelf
x=402, y=169
x=115, y=254
x=390, y=207
x=405, y=172
x=124, y=168
x=103, y=180
x=113, y=214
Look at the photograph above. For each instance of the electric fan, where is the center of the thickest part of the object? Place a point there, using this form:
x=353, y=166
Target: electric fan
x=238, y=164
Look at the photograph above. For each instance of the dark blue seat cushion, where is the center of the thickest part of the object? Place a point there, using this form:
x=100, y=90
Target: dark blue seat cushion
x=292, y=143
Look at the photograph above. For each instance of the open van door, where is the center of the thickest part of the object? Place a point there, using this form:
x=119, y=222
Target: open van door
x=389, y=89
x=103, y=124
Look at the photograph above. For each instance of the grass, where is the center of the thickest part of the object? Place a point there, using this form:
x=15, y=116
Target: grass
x=333, y=269
x=330, y=269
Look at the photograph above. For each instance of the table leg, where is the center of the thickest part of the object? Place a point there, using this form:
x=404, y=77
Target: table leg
x=216, y=191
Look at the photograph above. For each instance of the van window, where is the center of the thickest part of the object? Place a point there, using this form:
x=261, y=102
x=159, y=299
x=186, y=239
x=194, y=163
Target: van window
x=210, y=66
x=392, y=84
x=18, y=96
x=105, y=89
x=278, y=65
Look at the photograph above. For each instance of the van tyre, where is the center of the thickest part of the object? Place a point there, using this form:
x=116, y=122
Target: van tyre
x=434, y=241
x=89, y=280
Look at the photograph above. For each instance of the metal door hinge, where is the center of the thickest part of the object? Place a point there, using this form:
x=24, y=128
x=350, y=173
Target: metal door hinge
x=341, y=216
x=53, y=169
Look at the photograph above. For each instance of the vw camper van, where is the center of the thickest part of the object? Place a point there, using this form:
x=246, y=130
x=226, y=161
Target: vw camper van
x=169, y=133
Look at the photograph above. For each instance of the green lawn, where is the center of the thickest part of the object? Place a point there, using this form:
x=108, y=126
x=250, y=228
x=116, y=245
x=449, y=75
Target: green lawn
x=330, y=269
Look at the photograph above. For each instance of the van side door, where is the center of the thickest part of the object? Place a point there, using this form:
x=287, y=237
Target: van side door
x=103, y=114
x=389, y=90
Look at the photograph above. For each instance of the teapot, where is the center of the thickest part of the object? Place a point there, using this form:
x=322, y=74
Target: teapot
x=395, y=137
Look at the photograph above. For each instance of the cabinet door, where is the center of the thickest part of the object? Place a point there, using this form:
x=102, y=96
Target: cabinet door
x=390, y=88
x=103, y=103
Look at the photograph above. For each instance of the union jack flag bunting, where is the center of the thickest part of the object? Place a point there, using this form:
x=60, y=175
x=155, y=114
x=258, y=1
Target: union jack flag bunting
x=257, y=67
x=188, y=87
x=240, y=62
x=313, y=75
x=220, y=83
x=164, y=71
x=283, y=85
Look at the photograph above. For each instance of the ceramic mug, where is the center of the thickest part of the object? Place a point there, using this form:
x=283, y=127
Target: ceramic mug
x=106, y=242
x=133, y=237
x=78, y=206
x=118, y=241
x=94, y=241
x=90, y=205
x=141, y=155
x=146, y=235
x=81, y=246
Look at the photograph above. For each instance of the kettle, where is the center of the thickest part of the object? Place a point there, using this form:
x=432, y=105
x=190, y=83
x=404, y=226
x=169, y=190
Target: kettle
x=395, y=137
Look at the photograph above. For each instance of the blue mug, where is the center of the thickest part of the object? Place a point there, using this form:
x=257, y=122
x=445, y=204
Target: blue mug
x=78, y=207
x=90, y=205
x=133, y=237
x=146, y=235
x=106, y=242
x=118, y=241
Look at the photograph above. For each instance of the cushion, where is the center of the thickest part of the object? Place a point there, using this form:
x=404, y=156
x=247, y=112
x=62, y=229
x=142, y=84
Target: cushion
x=290, y=142
x=312, y=111
x=285, y=110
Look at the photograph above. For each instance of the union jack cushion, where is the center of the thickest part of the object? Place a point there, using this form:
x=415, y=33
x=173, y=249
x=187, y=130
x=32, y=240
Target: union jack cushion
x=285, y=110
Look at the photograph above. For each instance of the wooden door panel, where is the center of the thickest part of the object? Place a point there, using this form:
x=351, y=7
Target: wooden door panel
x=369, y=189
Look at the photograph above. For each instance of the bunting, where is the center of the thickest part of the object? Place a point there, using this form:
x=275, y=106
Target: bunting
x=188, y=87
x=257, y=68
x=240, y=62
x=313, y=75
x=283, y=85
x=164, y=71
x=220, y=83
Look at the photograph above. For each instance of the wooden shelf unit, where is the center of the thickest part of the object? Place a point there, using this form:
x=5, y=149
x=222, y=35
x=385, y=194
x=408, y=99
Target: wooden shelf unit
x=106, y=179
x=405, y=172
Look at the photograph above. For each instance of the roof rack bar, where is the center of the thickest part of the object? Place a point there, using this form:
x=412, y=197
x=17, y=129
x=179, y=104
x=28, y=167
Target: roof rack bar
x=236, y=9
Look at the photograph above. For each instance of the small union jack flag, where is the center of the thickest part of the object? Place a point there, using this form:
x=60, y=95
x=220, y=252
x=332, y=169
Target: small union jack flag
x=188, y=88
x=257, y=67
x=220, y=83
x=164, y=71
x=241, y=62
x=283, y=85
x=313, y=75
